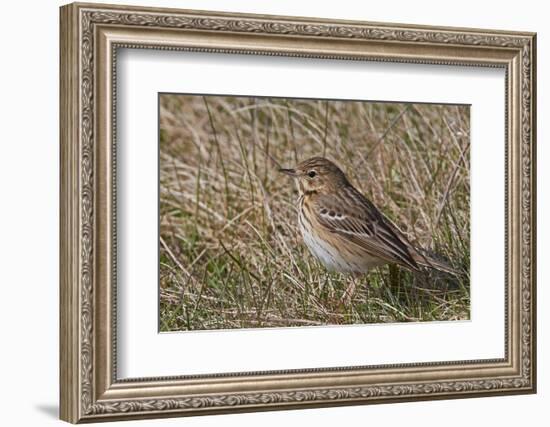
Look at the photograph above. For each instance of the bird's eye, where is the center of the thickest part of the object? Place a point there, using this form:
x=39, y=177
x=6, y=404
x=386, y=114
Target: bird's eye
x=311, y=174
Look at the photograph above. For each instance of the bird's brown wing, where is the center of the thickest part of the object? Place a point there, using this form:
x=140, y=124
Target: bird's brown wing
x=354, y=217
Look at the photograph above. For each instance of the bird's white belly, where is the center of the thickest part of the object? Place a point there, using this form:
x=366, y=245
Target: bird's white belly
x=333, y=258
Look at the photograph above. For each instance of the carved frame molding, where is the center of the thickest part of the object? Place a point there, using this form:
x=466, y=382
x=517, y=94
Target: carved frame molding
x=90, y=37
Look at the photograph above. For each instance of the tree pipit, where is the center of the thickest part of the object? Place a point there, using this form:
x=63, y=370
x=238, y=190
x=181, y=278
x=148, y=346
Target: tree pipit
x=344, y=230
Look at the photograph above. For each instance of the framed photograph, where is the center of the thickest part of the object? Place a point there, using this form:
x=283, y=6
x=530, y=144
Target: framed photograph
x=265, y=212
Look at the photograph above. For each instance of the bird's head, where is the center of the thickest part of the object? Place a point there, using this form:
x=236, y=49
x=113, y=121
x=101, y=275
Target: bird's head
x=317, y=175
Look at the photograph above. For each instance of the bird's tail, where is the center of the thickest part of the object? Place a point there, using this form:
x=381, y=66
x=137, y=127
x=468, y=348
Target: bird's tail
x=424, y=259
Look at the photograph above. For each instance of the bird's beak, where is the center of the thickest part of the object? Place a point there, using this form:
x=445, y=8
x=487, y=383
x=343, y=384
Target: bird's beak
x=289, y=172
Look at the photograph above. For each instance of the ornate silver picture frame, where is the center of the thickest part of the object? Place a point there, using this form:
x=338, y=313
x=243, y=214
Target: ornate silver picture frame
x=91, y=37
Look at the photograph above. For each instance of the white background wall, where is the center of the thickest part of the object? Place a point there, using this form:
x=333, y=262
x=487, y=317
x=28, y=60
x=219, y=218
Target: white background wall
x=29, y=170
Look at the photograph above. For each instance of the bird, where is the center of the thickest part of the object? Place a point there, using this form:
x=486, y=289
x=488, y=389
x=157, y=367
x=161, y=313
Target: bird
x=344, y=230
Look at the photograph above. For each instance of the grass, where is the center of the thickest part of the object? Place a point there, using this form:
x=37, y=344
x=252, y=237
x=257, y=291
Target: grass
x=231, y=254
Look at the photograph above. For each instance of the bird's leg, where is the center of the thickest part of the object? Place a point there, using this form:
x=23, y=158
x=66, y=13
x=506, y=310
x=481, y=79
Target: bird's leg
x=350, y=290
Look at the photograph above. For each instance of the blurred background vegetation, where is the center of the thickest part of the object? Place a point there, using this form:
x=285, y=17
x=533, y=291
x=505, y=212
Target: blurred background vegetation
x=231, y=253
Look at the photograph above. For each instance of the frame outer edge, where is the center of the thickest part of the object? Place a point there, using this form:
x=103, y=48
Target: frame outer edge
x=69, y=355
x=533, y=219
x=305, y=19
x=77, y=339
